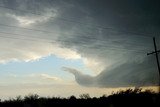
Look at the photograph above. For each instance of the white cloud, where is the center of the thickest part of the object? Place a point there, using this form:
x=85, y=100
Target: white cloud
x=38, y=78
x=33, y=18
x=25, y=50
x=94, y=64
x=96, y=60
x=46, y=76
x=32, y=51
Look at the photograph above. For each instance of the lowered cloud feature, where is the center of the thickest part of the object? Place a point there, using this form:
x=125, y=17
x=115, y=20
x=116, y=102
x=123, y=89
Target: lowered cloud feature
x=112, y=40
x=130, y=74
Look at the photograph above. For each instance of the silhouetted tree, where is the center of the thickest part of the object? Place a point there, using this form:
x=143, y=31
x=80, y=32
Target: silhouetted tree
x=19, y=98
x=31, y=97
x=129, y=97
x=84, y=96
x=72, y=97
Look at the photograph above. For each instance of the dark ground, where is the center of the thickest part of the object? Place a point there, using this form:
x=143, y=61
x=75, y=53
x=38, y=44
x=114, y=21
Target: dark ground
x=128, y=98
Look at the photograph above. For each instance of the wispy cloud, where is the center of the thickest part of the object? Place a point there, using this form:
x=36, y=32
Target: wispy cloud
x=106, y=51
x=46, y=76
x=36, y=76
x=29, y=19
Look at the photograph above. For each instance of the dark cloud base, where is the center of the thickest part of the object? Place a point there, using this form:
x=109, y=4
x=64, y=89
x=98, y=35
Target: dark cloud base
x=130, y=74
x=98, y=42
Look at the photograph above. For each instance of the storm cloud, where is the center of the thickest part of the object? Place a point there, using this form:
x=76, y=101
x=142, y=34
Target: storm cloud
x=111, y=37
x=120, y=51
x=130, y=74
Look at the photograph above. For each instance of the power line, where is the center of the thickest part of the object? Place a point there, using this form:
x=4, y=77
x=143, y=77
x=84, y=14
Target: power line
x=21, y=35
x=91, y=25
x=12, y=26
x=100, y=46
x=26, y=39
x=61, y=40
x=83, y=45
x=71, y=20
x=156, y=52
x=52, y=31
x=68, y=35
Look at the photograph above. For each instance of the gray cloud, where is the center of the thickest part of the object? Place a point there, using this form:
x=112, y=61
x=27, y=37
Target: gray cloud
x=80, y=29
x=130, y=74
x=80, y=78
x=116, y=50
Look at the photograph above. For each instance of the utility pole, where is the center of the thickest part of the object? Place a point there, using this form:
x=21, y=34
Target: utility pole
x=156, y=54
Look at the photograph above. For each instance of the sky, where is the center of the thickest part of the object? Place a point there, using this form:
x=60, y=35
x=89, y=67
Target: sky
x=70, y=47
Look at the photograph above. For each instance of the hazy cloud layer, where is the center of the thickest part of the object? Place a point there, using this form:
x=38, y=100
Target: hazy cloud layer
x=95, y=31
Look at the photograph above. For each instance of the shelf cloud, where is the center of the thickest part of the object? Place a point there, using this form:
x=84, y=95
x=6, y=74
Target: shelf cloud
x=113, y=44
